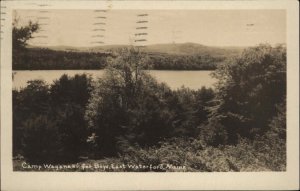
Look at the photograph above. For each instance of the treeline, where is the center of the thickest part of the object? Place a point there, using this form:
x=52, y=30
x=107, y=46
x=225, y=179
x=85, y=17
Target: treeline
x=184, y=62
x=46, y=59
x=129, y=116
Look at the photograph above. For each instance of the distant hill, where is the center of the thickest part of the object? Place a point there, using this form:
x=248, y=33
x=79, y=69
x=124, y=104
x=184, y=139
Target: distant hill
x=185, y=56
x=95, y=49
x=178, y=49
x=193, y=48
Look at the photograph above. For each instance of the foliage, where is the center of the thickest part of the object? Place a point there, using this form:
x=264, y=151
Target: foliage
x=49, y=122
x=239, y=126
x=46, y=59
x=247, y=91
x=21, y=34
x=184, y=62
x=27, y=103
x=195, y=155
x=189, y=110
x=127, y=104
x=67, y=90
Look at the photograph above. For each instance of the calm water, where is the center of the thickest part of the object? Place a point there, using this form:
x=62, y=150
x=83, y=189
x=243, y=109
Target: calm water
x=175, y=79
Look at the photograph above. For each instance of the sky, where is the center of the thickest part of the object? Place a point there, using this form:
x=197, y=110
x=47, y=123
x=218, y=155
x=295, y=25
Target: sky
x=207, y=27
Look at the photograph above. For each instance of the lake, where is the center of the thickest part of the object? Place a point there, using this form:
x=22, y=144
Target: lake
x=175, y=79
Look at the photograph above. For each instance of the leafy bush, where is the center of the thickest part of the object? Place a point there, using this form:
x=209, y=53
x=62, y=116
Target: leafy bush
x=195, y=155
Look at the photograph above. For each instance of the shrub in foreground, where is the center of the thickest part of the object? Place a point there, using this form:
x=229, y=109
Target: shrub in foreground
x=198, y=157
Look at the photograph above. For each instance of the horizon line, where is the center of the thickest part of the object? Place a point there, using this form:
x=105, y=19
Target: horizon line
x=181, y=43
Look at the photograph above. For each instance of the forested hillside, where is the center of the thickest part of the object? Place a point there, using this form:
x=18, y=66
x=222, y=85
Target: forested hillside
x=186, y=56
x=46, y=59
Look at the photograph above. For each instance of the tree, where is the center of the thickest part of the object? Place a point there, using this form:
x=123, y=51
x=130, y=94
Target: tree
x=190, y=110
x=28, y=103
x=127, y=105
x=248, y=89
x=48, y=121
x=21, y=34
x=69, y=97
x=20, y=37
x=75, y=90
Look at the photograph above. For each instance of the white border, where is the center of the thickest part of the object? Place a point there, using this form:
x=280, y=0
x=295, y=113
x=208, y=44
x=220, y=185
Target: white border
x=127, y=181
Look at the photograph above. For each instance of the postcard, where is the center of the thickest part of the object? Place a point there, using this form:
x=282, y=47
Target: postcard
x=139, y=95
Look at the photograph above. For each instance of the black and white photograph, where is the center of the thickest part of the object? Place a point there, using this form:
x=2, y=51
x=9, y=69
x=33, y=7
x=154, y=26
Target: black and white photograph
x=142, y=90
